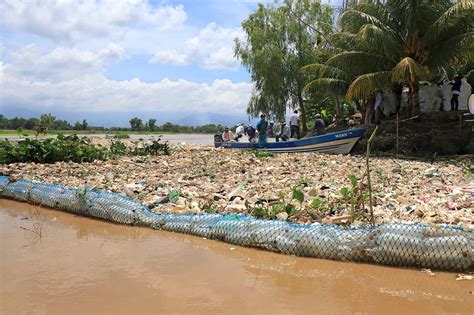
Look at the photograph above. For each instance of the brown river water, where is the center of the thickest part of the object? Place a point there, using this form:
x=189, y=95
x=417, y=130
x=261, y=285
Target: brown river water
x=84, y=266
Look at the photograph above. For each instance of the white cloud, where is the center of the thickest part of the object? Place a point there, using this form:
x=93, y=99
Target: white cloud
x=70, y=20
x=93, y=92
x=60, y=64
x=211, y=48
x=170, y=57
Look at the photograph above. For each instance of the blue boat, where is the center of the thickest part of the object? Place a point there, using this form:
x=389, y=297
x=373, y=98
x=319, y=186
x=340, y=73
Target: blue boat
x=340, y=142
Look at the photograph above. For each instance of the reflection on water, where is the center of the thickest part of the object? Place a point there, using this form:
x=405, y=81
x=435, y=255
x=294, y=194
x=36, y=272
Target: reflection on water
x=81, y=265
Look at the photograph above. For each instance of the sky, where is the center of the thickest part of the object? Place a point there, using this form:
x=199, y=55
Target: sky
x=108, y=61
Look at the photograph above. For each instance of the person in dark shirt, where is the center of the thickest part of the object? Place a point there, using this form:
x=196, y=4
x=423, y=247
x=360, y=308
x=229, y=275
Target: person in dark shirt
x=250, y=132
x=319, y=125
x=456, y=90
x=262, y=128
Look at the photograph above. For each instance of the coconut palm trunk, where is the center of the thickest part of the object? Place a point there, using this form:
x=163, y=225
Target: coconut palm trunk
x=415, y=99
x=303, y=113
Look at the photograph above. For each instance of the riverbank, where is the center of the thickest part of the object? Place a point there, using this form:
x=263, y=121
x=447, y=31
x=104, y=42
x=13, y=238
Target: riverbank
x=199, y=178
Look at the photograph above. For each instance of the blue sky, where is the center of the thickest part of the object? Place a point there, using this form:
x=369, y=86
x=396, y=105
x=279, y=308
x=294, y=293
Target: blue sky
x=113, y=59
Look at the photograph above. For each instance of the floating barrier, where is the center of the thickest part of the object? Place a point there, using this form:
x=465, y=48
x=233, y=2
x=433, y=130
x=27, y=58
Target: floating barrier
x=411, y=245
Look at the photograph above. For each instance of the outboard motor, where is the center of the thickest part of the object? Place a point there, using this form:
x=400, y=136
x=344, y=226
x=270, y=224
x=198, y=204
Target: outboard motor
x=218, y=138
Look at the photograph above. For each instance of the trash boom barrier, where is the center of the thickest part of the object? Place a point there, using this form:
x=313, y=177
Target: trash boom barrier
x=410, y=245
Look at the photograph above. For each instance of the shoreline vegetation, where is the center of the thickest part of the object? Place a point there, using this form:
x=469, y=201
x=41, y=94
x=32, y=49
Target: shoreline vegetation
x=47, y=124
x=303, y=188
x=32, y=133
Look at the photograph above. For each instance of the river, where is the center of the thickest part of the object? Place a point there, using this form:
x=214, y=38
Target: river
x=191, y=138
x=55, y=263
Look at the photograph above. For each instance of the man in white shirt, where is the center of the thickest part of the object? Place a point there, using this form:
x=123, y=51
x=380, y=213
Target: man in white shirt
x=239, y=132
x=295, y=124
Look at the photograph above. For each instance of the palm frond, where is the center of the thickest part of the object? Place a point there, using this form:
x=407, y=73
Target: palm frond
x=381, y=12
x=407, y=71
x=376, y=39
x=459, y=18
x=325, y=85
x=321, y=70
x=344, y=41
x=359, y=62
x=352, y=20
x=367, y=83
x=460, y=47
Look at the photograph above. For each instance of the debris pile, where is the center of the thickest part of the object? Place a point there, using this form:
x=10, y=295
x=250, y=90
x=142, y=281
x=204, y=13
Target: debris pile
x=200, y=179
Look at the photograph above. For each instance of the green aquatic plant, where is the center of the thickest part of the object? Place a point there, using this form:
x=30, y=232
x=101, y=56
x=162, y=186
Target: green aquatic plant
x=71, y=148
x=261, y=153
x=63, y=148
x=121, y=135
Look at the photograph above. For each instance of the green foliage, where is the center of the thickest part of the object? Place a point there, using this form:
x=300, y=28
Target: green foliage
x=298, y=194
x=280, y=39
x=20, y=131
x=63, y=148
x=318, y=205
x=351, y=193
x=381, y=44
x=208, y=206
x=154, y=148
x=121, y=135
x=353, y=180
x=118, y=148
x=151, y=124
x=262, y=154
x=173, y=195
x=71, y=148
x=136, y=124
x=50, y=123
x=467, y=167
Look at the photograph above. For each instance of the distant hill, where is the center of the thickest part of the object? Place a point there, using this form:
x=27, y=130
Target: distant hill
x=211, y=118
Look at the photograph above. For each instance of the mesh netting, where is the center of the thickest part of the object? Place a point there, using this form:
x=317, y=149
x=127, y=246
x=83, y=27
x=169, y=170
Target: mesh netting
x=411, y=245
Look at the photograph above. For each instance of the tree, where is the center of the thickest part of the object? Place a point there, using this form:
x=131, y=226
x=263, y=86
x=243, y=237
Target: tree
x=151, y=124
x=399, y=42
x=31, y=123
x=136, y=124
x=46, y=122
x=280, y=40
x=84, y=125
x=60, y=125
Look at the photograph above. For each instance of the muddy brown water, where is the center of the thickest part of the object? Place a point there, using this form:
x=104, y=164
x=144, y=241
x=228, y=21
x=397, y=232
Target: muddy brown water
x=85, y=266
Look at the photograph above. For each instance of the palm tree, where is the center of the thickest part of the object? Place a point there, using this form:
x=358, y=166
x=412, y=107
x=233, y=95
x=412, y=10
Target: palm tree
x=398, y=42
x=328, y=80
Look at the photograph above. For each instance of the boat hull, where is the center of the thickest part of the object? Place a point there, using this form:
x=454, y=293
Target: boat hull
x=340, y=142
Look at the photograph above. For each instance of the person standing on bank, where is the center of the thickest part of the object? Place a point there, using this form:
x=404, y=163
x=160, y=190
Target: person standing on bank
x=295, y=124
x=378, y=107
x=456, y=90
x=262, y=128
x=319, y=125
